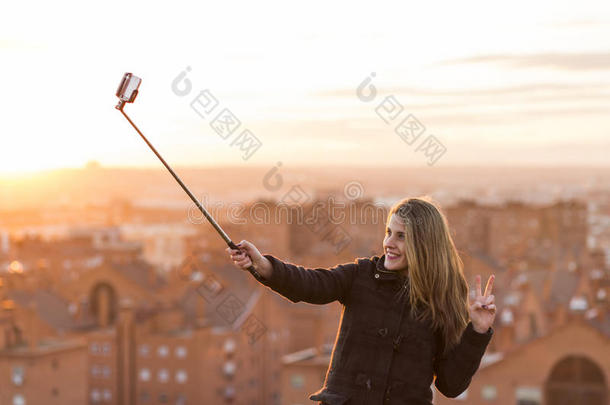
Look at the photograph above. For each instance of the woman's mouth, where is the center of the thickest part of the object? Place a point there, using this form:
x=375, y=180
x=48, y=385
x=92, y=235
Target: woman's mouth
x=391, y=256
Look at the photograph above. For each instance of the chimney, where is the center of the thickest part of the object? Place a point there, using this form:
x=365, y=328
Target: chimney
x=7, y=319
x=506, y=335
x=32, y=326
x=4, y=242
x=200, y=308
x=126, y=353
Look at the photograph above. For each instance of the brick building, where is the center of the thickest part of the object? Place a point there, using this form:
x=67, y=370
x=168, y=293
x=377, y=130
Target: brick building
x=101, y=325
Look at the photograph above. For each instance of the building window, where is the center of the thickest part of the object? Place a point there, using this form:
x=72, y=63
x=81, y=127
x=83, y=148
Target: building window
x=95, y=371
x=96, y=396
x=528, y=396
x=18, y=399
x=489, y=392
x=229, y=392
x=181, y=352
x=229, y=368
x=297, y=381
x=181, y=400
x=106, y=349
x=181, y=376
x=106, y=371
x=55, y=364
x=163, y=351
x=163, y=375
x=229, y=346
x=107, y=394
x=144, y=350
x=163, y=398
x=94, y=348
x=144, y=397
x=144, y=374
x=18, y=375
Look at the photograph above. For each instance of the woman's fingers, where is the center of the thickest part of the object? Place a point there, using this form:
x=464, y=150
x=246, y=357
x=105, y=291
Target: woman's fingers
x=477, y=283
x=236, y=254
x=240, y=257
x=248, y=255
x=486, y=301
x=242, y=248
x=245, y=246
x=244, y=262
x=232, y=251
x=490, y=284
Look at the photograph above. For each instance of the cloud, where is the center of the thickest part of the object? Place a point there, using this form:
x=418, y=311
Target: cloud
x=499, y=91
x=463, y=106
x=583, y=61
x=584, y=23
x=452, y=115
x=511, y=117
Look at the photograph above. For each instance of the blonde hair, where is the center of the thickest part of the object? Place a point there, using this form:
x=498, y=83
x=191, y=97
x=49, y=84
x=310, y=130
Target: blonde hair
x=438, y=290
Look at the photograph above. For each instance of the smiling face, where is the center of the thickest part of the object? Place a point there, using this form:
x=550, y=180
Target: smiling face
x=394, y=244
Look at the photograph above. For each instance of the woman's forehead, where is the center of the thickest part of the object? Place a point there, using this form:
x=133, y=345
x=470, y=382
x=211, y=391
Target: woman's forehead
x=396, y=222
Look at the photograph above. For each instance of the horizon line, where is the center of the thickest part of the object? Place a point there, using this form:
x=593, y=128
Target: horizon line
x=98, y=166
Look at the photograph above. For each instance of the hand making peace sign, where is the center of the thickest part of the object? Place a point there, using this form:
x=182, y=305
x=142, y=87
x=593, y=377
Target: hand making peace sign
x=483, y=310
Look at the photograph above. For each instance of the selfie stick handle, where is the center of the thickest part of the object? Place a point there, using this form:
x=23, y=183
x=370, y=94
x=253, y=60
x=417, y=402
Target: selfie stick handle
x=222, y=233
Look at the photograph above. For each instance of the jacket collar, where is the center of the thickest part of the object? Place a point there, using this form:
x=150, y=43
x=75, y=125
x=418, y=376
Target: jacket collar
x=381, y=273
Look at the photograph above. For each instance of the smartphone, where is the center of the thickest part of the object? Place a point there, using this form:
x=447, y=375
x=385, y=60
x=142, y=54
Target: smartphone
x=128, y=89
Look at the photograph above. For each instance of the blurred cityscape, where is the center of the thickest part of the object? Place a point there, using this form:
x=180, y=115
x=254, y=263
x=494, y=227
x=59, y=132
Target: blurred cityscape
x=113, y=292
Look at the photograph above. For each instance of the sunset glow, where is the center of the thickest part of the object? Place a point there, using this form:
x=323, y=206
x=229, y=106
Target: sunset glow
x=513, y=87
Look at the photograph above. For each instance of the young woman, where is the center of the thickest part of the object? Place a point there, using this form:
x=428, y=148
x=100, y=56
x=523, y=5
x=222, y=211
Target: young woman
x=406, y=322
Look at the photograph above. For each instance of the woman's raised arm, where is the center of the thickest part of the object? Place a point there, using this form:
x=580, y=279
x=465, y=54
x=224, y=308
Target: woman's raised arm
x=297, y=283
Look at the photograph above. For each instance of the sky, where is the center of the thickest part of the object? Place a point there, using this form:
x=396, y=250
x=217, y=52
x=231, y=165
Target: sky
x=489, y=83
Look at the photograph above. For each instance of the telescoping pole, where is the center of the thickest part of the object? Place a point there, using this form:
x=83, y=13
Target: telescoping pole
x=127, y=92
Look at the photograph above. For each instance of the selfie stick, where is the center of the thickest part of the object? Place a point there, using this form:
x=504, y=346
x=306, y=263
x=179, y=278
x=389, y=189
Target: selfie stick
x=127, y=92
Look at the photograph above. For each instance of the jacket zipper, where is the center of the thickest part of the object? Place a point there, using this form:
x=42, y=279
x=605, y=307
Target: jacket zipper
x=396, y=342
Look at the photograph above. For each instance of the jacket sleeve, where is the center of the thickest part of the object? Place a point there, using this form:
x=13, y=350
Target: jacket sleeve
x=455, y=369
x=314, y=286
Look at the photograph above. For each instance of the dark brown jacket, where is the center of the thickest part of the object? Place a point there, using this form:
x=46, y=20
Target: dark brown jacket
x=381, y=355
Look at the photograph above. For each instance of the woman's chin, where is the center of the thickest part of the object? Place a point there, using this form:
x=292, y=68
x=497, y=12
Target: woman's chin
x=390, y=266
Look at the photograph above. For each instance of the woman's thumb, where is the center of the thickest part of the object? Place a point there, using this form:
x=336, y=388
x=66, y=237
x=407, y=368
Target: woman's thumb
x=250, y=249
x=245, y=245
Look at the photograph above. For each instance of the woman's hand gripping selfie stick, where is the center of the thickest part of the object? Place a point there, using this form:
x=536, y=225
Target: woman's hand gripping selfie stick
x=127, y=92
